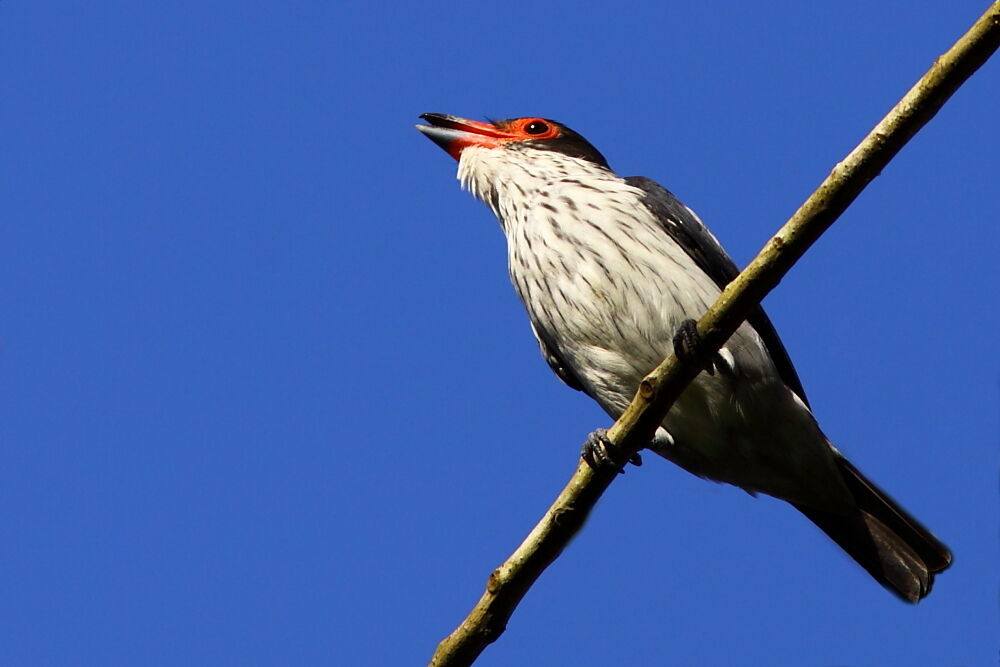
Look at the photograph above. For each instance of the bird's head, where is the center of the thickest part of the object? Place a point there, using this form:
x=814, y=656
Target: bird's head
x=455, y=134
x=517, y=155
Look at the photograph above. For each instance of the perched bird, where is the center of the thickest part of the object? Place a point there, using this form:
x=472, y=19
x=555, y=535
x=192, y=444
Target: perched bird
x=609, y=270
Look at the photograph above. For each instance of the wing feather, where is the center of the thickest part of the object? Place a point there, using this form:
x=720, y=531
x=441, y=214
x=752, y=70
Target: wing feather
x=688, y=231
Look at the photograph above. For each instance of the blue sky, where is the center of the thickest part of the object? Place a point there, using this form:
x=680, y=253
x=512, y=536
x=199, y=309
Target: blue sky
x=267, y=397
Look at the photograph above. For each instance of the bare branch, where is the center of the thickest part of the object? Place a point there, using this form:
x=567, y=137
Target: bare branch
x=509, y=582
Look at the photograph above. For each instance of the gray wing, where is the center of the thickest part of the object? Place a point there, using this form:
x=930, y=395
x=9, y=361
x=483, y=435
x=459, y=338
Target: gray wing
x=687, y=230
x=560, y=368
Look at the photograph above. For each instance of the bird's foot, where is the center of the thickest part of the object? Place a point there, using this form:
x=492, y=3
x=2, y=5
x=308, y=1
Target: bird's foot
x=686, y=343
x=599, y=452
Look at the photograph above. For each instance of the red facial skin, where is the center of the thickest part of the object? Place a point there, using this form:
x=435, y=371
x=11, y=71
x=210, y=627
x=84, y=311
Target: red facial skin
x=456, y=134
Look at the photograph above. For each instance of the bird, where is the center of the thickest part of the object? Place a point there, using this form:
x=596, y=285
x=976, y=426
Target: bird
x=612, y=272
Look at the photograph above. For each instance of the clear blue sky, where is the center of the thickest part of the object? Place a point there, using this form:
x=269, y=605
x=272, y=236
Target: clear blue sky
x=267, y=397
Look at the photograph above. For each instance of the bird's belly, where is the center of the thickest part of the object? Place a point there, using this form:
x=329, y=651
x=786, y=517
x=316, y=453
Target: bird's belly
x=745, y=430
x=612, y=319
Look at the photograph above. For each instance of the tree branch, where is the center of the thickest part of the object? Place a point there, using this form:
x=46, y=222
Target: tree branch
x=657, y=392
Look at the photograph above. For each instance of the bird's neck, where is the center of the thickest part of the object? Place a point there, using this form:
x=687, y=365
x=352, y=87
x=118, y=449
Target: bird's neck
x=513, y=183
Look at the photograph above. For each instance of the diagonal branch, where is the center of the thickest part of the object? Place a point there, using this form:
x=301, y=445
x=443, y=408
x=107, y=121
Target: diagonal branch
x=657, y=392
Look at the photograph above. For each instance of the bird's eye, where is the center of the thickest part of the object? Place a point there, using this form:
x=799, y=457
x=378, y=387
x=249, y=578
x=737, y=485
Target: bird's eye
x=536, y=127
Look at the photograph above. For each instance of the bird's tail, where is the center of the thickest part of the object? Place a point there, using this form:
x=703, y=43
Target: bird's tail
x=890, y=544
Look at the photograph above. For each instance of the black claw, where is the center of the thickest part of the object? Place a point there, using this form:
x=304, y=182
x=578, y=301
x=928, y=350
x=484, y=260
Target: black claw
x=598, y=451
x=686, y=342
x=686, y=339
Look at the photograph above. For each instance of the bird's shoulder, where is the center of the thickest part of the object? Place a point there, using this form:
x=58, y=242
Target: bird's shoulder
x=687, y=230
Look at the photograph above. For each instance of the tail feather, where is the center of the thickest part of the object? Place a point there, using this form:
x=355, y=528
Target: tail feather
x=883, y=538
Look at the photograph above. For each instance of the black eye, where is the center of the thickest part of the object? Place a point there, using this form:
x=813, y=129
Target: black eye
x=536, y=127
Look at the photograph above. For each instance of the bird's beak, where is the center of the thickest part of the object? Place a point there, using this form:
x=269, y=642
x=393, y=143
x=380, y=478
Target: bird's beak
x=455, y=134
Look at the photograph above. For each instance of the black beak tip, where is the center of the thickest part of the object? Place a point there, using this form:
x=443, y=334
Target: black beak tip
x=436, y=119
